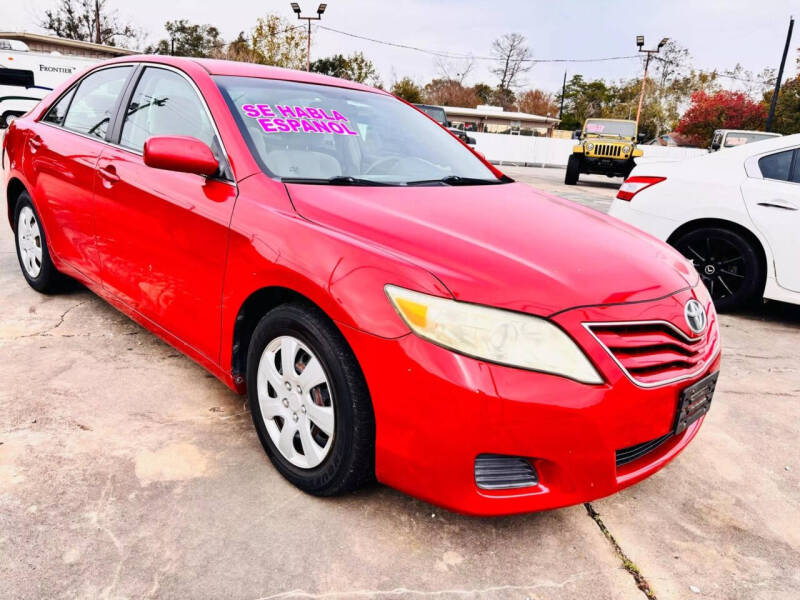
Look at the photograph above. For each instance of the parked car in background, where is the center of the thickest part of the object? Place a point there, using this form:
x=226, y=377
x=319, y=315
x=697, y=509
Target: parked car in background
x=607, y=147
x=26, y=77
x=734, y=214
x=393, y=305
x=730, y=138
x=438, y=114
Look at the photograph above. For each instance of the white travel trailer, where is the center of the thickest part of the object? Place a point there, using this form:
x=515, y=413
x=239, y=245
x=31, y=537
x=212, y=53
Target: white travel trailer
x=26, y=77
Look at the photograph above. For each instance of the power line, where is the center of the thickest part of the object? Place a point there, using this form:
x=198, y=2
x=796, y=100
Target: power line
x=472, y=56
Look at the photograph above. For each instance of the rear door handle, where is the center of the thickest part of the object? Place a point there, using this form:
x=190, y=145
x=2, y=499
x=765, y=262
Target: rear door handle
x=778, y=203
x=109, y=174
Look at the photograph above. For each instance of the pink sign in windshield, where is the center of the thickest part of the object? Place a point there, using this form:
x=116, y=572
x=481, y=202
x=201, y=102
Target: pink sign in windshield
x=298, y=119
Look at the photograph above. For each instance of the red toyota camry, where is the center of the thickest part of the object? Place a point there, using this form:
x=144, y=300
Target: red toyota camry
x=393, y=305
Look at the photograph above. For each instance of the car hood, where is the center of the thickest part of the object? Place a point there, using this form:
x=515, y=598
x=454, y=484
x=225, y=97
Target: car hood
x=506, y=245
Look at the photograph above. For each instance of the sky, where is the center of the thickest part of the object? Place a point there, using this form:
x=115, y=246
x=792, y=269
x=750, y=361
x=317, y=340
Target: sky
x=718, y=33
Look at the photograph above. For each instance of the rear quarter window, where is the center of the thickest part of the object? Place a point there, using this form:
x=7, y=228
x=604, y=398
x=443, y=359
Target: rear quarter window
x=776, y=166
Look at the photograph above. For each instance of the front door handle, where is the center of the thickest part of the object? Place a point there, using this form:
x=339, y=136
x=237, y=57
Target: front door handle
x=36, y=143
x=778, y=203
x=109, y=174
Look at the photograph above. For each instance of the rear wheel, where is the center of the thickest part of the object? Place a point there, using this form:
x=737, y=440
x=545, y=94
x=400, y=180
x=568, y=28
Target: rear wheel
x=32, y=251
x=573, y=170
x=309, y=401
x=728, y=265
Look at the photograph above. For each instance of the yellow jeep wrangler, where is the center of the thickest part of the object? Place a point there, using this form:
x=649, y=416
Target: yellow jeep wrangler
x=607, y=147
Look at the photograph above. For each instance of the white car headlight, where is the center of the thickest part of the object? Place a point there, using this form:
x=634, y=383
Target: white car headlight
x=491, y=334
x=589, y=146
x=626, y=149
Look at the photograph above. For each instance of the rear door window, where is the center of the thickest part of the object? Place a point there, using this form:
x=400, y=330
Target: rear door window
x=776, y=166
x=93, y=105
x=58, y=111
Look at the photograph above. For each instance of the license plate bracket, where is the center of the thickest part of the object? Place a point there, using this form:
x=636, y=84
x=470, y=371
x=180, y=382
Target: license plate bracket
x=695, y=401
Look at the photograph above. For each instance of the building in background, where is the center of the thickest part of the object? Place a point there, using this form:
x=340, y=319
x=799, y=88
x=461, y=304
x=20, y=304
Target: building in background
x=493, y=119
x=48, y=44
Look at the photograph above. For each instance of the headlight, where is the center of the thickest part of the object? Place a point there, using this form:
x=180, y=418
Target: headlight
x=626, y=149
x=492, y=334
x=589, y=146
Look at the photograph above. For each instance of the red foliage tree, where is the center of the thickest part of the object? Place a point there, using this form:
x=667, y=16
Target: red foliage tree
x=721, y=110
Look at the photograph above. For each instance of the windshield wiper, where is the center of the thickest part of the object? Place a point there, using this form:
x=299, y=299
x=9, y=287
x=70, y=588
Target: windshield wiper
x=458, y=180
x=336, y=180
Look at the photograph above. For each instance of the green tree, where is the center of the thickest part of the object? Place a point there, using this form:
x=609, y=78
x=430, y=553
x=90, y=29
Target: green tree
x=787, y=111
x=408, y=90
x=484, y=92
x=188, y=39
x=87, y=21
x=355, y=67
x=276, y=41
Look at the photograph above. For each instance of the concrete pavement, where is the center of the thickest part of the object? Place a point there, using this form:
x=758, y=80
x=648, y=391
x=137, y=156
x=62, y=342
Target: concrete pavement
x=127, y=471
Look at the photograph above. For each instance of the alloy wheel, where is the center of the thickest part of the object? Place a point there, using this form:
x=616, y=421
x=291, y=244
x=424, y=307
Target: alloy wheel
x=296, y=402
x=721, y=264
x=29, y=238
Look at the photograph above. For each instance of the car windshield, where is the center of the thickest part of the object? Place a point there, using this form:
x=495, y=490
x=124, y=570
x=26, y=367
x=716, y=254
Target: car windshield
x=325, y=134
x=618, y=128
x=434, y=112
x=738, y=138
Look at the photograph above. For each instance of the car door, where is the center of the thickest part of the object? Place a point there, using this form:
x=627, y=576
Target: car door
x=63, y=149
x=163, y=235
x=774, y=206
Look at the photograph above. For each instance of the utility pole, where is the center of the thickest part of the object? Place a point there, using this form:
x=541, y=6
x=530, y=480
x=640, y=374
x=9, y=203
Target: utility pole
x=563, y=93
x=640, y=43
x=320, y=9
x=774, y=102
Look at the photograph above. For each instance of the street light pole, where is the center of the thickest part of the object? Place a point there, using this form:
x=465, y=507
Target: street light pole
x=320, y=9
x=640, y=43
x=773, y=104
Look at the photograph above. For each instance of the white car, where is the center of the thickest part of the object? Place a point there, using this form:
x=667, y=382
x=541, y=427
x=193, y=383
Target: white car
x=734, y=214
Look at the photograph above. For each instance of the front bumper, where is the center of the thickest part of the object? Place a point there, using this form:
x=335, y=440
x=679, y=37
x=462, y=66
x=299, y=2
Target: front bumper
x=436, y=411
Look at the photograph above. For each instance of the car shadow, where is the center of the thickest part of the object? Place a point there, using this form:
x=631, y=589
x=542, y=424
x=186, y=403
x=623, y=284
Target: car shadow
x=772, y=311
x=612, y=184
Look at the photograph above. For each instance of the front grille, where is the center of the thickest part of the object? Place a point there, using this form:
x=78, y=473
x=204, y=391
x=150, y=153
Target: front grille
x=653, y=353
x=632, y=453
x=608, y=150
x=500, y=472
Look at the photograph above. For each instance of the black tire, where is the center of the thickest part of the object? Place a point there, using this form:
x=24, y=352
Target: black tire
x=48, y=280
x=728, y=264
x=573, y=170
x=628, y=169
x=350, y=462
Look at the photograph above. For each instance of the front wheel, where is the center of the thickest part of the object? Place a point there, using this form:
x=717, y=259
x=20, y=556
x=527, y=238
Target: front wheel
x=728, y=265
x=309, y=401
x=573, y=170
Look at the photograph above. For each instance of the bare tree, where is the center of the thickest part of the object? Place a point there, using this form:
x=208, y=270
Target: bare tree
x=513, y=59
x=450, y=71
x=87, y=21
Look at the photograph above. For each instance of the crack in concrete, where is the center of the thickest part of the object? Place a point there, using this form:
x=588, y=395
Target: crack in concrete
x=627, y=563
x=46, y=332
x=400, y=591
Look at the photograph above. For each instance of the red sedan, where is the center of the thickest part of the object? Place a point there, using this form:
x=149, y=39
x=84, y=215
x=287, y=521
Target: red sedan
x=393, y=305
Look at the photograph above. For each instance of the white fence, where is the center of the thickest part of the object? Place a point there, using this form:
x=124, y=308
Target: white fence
x=553, y=152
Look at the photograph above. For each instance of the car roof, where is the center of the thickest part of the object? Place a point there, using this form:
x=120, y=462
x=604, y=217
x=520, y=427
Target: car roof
x=243, y=69
x=615, y=120
x=770, y=133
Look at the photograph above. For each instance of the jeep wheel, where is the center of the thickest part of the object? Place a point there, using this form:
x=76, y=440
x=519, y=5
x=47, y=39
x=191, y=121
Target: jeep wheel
x=573, y=170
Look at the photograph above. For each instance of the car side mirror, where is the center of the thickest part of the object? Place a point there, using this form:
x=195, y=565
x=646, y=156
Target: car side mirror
x=576, y=135
x=641, y=137
x=180, y=153
x=715, y=145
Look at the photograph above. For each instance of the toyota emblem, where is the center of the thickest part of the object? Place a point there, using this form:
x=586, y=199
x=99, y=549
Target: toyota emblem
x=695, y=316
